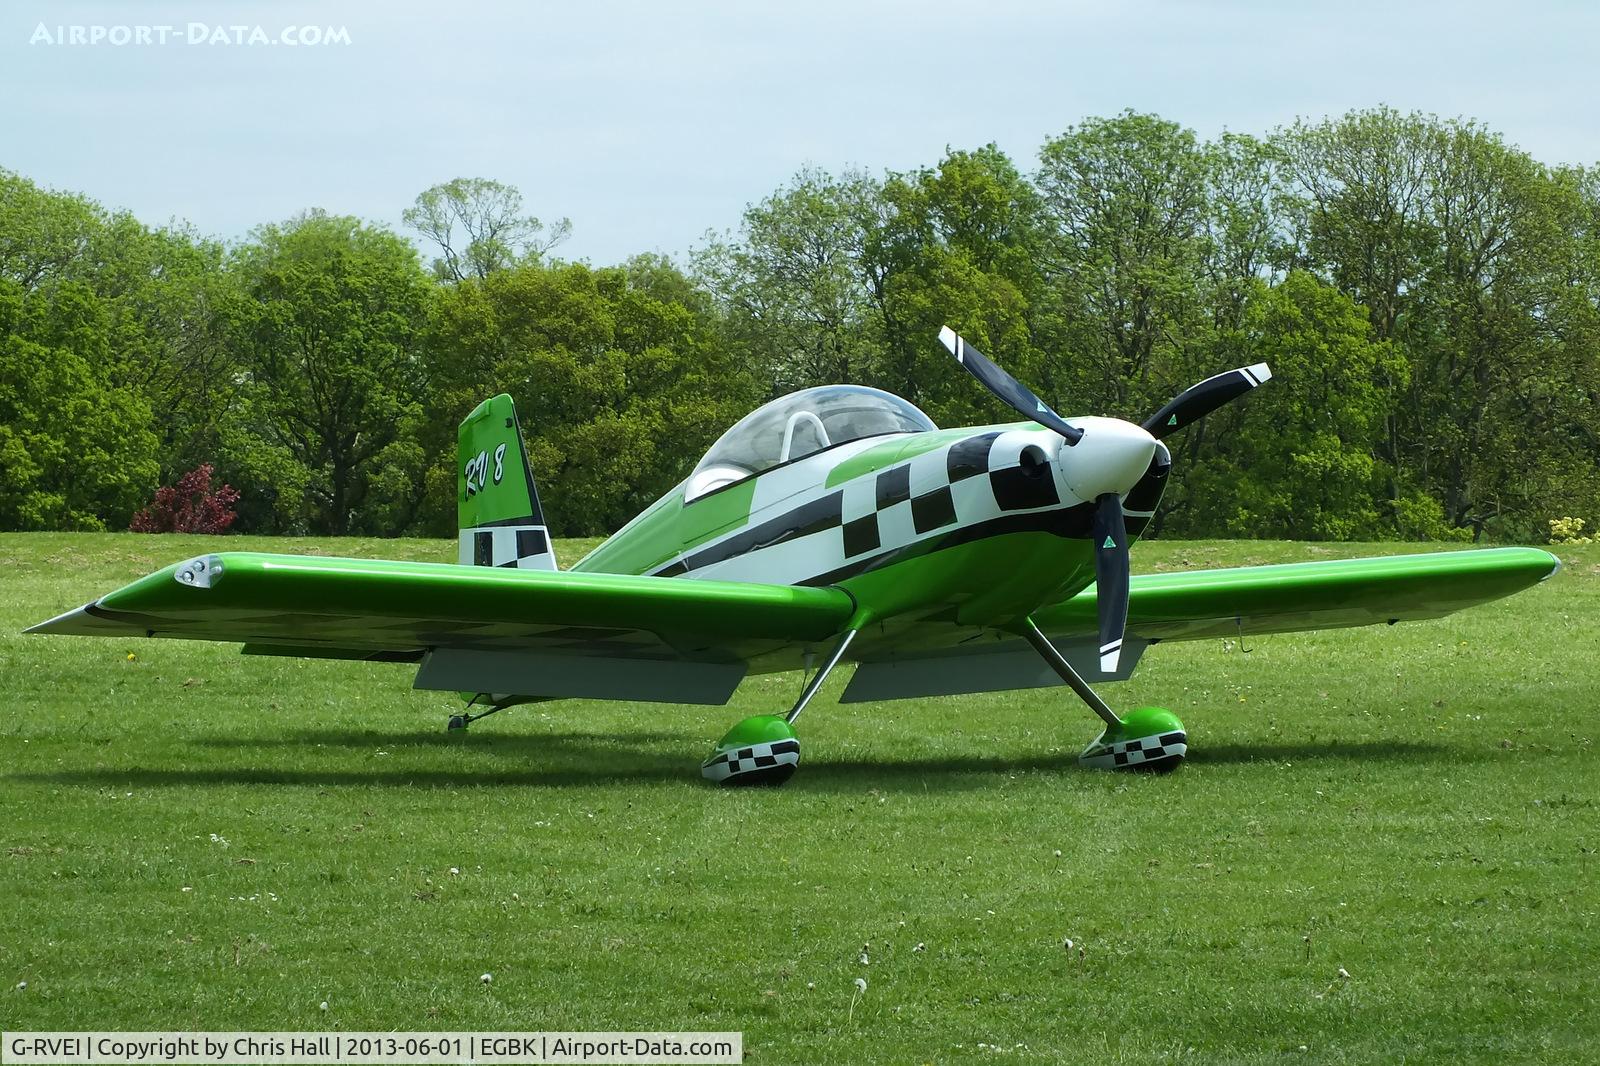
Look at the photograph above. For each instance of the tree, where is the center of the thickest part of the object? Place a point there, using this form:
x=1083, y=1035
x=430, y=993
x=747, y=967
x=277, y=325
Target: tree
x=620, y=375
x=324, y=371
x=44, y=235
x=161, y=292
x=1462, y=249
x=1295, y=459
x=331, y=338
x=76, y=450
x=1359, y=205
x=1247, y=240
x=848, y=278
x=493, y=233
x=792, y=283
x=958, y=244
x=1127, y=201
x=168, y=297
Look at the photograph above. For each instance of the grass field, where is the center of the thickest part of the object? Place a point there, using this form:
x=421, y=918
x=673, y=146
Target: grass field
x=193, y=839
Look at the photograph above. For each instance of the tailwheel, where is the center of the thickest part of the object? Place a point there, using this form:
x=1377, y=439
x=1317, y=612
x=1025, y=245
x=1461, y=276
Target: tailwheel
x=762, y=750
x=459, y=722
x=1150, y=739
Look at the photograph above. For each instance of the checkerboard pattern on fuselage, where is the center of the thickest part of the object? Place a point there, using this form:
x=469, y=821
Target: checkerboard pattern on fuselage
x=976, y=479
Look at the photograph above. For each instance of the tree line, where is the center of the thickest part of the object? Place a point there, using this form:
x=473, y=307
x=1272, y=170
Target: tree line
x=1428, y=297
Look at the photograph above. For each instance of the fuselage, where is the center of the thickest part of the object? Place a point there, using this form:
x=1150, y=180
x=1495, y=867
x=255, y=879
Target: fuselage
x=982, y=524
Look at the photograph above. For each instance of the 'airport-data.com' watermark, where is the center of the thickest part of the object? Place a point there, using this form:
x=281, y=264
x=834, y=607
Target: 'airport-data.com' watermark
x=192, y=33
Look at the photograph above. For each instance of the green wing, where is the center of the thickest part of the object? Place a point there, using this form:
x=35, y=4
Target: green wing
x=1321, y=595
x=557, y=634
x=479, y=628
x=1188, y=605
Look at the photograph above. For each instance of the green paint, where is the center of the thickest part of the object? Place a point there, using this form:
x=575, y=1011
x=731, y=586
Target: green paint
x=895, y=450
x=377, y=604
x=1172, y=420
x=1144, y=722
x=990, y=582
x=367, y=605
x=996, y=582
x=491, y=462
x=670, y=526
x=646, y=542
x=710, y=516
x=1110, y=543
x=760, y=729
x=1322, y=595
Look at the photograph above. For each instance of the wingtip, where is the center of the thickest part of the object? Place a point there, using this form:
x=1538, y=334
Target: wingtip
x=1555, y=566
x=1108, y=662
x=61, y=622
x=1262, y=371
x=947, y=337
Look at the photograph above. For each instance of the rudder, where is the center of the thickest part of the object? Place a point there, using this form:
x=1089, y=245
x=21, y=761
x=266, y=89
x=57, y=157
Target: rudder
x=497, y=503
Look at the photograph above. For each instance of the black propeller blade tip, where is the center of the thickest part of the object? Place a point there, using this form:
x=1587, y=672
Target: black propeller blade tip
x=1111, y=568
x=1008, y=388
x=1200, y=399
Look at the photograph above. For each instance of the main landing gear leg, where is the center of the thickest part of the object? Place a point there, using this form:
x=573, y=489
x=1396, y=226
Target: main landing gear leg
x=1150, y=738
x=763, y=750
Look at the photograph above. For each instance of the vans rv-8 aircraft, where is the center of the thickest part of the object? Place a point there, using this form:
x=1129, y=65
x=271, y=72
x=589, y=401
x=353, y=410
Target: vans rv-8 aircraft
x=836, y=523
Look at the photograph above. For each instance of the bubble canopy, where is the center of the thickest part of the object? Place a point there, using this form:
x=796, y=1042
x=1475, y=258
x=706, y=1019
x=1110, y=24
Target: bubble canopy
x=801, y=424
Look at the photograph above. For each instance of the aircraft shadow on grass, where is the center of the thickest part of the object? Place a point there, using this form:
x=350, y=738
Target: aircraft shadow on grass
x=484, y=742
x=572, y=759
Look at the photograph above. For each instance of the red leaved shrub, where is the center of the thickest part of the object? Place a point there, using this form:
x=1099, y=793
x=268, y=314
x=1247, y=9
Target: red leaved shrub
x=190, y=506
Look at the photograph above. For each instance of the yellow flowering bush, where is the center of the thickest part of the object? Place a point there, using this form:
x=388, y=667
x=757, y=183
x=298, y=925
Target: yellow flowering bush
x=1568, y=531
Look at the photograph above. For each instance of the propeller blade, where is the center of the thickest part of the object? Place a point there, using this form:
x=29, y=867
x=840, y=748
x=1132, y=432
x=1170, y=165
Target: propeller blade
x=1111, y=578
x=1007, y=387
x=1197, y=401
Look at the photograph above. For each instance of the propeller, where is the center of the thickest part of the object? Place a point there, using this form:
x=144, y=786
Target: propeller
x=1201, y=399
x=1007, y=387
x=1111, y=567
x=1111, y=577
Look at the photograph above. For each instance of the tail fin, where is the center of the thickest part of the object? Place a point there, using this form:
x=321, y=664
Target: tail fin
x=497, y=504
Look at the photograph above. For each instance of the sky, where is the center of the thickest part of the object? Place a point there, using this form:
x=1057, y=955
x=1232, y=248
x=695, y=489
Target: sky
x=649, y=124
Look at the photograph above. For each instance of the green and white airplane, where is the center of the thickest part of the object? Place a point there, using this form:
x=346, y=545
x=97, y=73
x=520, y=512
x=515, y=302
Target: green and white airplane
x=836, y=523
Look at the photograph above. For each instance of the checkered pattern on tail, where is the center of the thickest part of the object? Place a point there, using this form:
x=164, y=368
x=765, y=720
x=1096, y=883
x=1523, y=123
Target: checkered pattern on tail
x=525, y=547
x=764, y=759
x=1138, y=751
